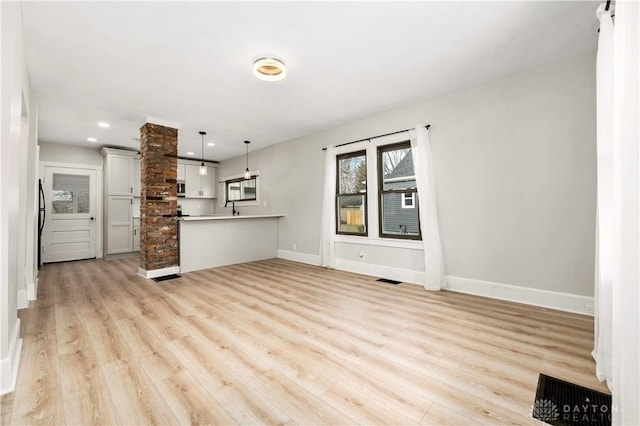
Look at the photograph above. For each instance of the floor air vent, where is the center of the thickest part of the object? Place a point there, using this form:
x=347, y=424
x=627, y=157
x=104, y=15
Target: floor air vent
x=388, y=281
x=561, y=403
x=166, y=277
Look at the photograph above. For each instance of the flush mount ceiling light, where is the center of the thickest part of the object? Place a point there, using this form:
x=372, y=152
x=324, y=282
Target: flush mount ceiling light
x=203, y=168
x=269, y=69
x=104, y=124
x=92, y=140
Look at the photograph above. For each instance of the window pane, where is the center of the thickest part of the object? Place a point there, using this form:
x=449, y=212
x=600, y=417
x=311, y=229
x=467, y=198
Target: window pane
x=70, y=194
x=397, y=169
x=243, y=190
x=397, y=220
x=351, y=213
x=248, y=189
x=352, y=173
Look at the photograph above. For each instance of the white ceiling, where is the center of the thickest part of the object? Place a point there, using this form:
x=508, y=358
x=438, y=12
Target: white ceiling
x=190, y=62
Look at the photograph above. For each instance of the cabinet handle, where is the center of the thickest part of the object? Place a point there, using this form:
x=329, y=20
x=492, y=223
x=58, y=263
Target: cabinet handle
x=131, y=190
x=134, y=231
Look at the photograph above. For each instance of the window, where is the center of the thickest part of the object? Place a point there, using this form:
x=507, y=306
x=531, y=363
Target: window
x=70, y=194
x=241, y=189
x=408, y=200
x=351, y=193
x=398, y=200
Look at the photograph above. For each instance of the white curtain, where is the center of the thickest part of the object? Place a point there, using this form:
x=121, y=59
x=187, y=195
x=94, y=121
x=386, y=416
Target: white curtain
x=328, y=209
x=617, y=326
x=423, y=167
x=626, y=194
x=605, y=208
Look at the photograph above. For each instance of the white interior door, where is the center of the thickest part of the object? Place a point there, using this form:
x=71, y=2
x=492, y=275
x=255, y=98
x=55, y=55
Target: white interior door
x=70, y=205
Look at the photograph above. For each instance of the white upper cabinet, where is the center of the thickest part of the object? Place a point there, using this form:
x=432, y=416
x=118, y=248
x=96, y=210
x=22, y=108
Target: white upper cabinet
x=122, y=172
x=198, y=186
x=181, y=171
x=209, y=183
x=120, y=175
x=192, y=181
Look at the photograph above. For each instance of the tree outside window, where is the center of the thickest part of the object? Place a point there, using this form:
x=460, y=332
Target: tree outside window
x=351, y=194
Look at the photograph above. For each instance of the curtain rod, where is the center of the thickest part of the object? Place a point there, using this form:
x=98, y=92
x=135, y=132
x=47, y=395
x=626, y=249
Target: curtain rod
x=374, y=137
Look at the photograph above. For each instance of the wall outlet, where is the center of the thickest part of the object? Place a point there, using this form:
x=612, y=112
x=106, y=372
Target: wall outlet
x=295, y=247
x=264, y=203
x=589, y=309
x=361, y=255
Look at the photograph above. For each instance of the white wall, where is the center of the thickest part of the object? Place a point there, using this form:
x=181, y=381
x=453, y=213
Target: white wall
x=60, y=153
x=197, y=206
x=515, y=171
x=17, y=197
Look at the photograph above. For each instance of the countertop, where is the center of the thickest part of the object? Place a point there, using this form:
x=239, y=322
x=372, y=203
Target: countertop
x=227, y=217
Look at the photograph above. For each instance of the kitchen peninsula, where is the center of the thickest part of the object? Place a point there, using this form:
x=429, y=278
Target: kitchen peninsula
x=218, y=240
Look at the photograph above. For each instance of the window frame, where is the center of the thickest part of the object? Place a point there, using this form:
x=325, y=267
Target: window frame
x=231, y=180
x=380, y=150
x=338, y=194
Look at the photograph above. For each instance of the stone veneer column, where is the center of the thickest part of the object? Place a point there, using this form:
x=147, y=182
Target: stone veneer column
x=158, y=201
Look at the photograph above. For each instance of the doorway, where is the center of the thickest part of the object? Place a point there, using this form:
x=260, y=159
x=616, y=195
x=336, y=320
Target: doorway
x=70, y=199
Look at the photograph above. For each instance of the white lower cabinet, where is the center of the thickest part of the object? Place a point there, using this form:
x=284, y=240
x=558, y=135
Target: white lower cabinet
x=119, y=225
x=136, y=234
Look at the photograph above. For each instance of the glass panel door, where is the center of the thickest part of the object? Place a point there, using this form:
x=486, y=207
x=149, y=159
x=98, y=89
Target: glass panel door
x=70, y=202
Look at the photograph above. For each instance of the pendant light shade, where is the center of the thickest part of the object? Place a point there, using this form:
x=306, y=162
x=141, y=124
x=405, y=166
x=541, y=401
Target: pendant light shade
x=247, y=173
x=203, y=168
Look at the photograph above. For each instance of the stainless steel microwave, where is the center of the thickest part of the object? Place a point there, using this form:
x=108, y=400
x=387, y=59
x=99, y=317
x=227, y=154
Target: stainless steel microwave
x=181, y=189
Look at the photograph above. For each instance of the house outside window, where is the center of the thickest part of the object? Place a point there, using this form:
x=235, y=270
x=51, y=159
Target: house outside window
x=351, y=193
x=398, y=198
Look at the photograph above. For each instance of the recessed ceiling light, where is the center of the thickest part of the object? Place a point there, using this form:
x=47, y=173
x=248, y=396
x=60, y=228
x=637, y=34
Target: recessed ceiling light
x=104, y=124
x=190, y=153
x=92, y=140
x=269, y=69
x=211, y=144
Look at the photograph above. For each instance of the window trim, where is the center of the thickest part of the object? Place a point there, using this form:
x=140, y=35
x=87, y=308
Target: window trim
x=240, y=177
x=380, y=150
x=338, y=194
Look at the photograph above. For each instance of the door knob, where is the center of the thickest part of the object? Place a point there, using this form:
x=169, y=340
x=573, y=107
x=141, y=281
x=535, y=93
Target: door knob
x=92, y=218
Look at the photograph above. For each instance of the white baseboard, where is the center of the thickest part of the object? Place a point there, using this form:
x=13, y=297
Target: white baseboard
x=296, y=256
x=9, y=365
x=530, y=296
x=527, y=295
x=155, y=273
x=398, y=274
x=32, y=291
x=23, y=301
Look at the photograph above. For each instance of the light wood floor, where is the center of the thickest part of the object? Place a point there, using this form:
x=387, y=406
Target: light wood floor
x=277, y=342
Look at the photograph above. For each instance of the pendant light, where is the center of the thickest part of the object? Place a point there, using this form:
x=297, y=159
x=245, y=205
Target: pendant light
x=203, y=168
x=247, y=173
